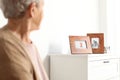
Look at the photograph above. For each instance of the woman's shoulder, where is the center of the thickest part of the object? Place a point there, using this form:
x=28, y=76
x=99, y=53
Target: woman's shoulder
x=5, y=35
x=2, y=33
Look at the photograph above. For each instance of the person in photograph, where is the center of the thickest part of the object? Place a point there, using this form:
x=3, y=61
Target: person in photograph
x=95, y=44
x=19, y=58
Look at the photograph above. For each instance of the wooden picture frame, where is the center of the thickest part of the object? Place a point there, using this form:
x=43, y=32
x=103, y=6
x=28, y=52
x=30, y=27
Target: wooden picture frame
x=97, y=42
x=80, y=44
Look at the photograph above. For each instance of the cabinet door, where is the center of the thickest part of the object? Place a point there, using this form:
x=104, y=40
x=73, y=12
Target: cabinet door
x=68, y=68
x=103, y=69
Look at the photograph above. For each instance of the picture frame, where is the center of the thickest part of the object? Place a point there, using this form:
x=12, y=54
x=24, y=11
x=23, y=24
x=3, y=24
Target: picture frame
x=80, y=44
x=97, y=42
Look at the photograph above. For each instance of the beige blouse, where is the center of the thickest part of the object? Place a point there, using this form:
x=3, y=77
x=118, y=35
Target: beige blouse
x=34, y=56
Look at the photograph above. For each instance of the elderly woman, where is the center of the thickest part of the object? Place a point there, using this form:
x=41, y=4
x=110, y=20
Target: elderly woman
x=19, y=59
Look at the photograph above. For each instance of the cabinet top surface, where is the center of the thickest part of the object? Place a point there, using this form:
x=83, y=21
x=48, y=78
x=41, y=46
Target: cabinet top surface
x=89, y=56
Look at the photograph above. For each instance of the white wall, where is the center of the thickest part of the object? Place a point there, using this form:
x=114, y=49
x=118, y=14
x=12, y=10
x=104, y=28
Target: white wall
x=76, y=17
x=3, y=21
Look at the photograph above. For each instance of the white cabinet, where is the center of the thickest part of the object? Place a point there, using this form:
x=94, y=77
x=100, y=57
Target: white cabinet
x=84, y=67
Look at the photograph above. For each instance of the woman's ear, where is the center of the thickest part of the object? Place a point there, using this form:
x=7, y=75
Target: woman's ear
x=32, y=9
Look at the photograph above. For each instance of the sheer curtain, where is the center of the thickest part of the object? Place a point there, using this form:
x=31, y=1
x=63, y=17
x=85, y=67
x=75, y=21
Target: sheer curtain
x=113, y=24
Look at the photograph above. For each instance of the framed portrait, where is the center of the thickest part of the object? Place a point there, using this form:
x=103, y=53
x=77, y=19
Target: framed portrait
x=97, y=42
x=80, y=44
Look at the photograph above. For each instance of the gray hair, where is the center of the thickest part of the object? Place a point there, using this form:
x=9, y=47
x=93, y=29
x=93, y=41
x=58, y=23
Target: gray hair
x=15, y=8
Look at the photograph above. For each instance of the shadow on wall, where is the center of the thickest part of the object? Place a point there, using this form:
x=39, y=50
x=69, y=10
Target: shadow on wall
x=53, y=49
